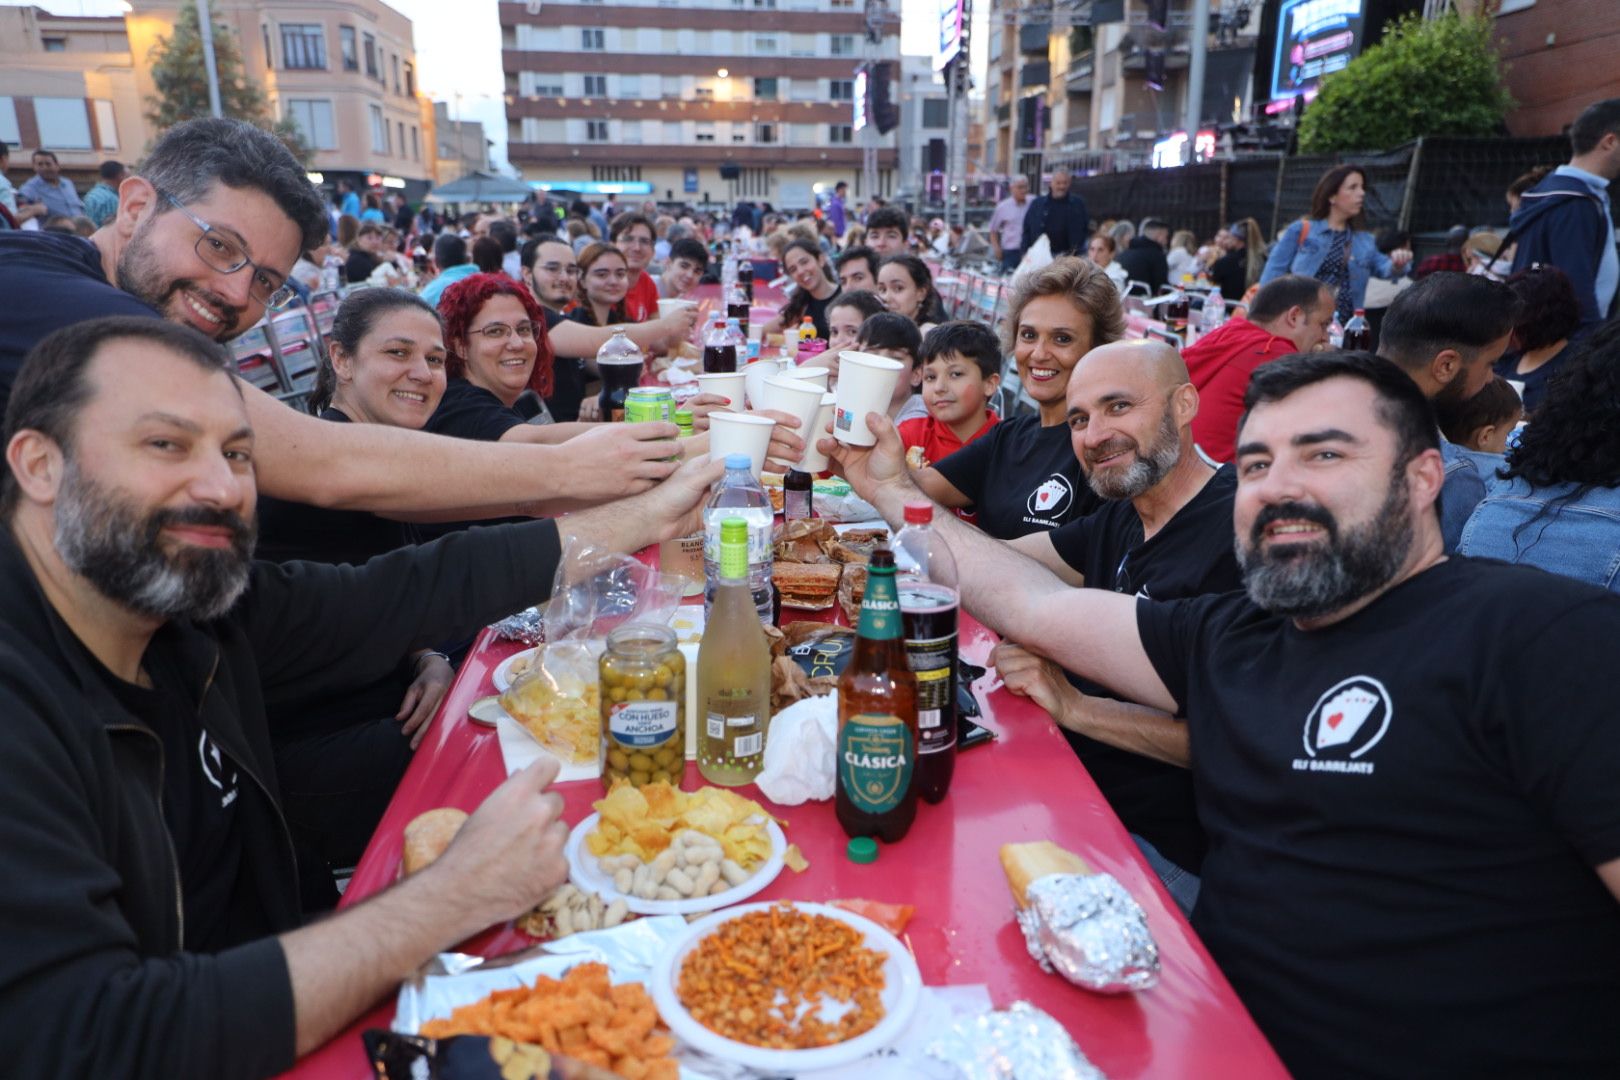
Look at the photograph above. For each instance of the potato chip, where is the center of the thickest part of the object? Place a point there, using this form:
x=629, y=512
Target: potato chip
x=795, y=860
x=560, y=704
x=644, y=821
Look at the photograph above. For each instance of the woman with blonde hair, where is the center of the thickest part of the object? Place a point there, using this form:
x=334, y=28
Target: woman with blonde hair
x=1182, y=257
x=1022, y=476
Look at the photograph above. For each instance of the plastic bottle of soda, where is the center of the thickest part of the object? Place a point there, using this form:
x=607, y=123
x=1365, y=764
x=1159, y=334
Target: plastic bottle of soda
x=619, y=362
x=737, y=307
x=1358, y=332
x=719, y=353
x=928, y=605
x=875, y=792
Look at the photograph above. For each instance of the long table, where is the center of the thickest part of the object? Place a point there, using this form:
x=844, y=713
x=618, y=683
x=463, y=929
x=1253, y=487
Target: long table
x=1026, y=785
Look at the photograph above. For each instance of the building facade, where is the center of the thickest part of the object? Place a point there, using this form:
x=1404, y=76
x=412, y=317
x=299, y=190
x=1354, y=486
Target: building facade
x=707, y=101
x=461, y=146
x=1559, y=56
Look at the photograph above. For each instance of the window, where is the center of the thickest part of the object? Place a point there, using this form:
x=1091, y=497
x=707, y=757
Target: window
x=629, y=86
x=379, y=131
x=672, y=132
x=596, y=131
x=841, y=134
x=738, y=134
x=314, y=119
x=8, y=122
x=410, y=79
x=106, y=124
x=349, y=47
x=371, y=55
x=936, y=113
x=764, y=44
x=843, y=44
x=592, y=39
x=803, y=134
x=755, y=182
x=841, y=89
x=63, y=123
x=54, y=44
x=596, y=86
x=705, y=93
x=303, y=46
x=615, y=174
x=705, y=131
x=401, y=126
x=269, y=59
x=765, y=133
x=416, y=149
x=395, y=61
x=630, y=132
x=802, y=44
x=670, y=86
x=765, y=89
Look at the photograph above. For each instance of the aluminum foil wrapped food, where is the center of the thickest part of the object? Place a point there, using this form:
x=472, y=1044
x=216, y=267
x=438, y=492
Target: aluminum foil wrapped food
x=1088, y=929
x=1016, y=1043
x=527, y=626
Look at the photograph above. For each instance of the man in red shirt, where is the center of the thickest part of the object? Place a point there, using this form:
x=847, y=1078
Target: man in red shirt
x=633, y=235
x=1290, y=314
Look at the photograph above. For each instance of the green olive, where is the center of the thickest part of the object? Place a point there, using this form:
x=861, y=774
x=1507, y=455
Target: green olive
x=641, y=762
x=640, y=777
x=662, y=777
x=618, y=759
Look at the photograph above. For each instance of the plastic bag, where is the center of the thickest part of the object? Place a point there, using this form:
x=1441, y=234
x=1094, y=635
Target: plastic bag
x=1038, y=257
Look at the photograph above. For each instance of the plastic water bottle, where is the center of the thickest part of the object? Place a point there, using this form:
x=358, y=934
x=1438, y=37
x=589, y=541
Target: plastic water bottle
x=739, y=495
x=331, y=274
x=1214, y=313
x=929, y=600
x=1336, y=334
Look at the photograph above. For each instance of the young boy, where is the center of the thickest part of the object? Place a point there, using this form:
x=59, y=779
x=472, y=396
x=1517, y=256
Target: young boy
x=896, y=337
x=961, y=370
x=1483, y=422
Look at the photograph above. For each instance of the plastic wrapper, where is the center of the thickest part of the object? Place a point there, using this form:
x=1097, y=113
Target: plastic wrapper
x=1017, y=1043
x=527, y=626
x=801, y=752
x=1090, y=930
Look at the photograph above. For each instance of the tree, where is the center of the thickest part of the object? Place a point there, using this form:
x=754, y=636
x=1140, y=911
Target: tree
x=1426, y=77
x=181, y=78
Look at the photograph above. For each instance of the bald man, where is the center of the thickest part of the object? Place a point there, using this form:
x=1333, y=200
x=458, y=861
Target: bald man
x=1165, y=533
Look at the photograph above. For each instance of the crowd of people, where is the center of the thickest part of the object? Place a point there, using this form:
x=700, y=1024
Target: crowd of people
x=1321, y=624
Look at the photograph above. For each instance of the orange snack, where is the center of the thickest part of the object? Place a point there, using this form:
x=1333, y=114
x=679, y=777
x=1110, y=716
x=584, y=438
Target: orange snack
x=892, y=917
x=582, y=1015
x=730, y=983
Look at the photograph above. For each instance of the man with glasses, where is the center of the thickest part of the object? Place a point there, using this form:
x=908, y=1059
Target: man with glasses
x=634, y=235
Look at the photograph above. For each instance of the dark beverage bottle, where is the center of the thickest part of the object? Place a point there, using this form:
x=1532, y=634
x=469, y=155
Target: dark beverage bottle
x=1177, y=311
x=1358, y=332
x=796, y=500
x=619, y=363
x=719, y=354
x=876, y=790
x=745, y=281
x=737, y=307
x=928, y=604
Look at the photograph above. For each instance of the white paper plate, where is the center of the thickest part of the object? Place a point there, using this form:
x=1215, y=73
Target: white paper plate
x=584, y=872
x=503, y=671
x=902, y=988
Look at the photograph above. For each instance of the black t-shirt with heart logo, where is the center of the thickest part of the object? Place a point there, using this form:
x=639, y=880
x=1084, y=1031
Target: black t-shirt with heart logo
x=1405, y=810
x=1022, y=478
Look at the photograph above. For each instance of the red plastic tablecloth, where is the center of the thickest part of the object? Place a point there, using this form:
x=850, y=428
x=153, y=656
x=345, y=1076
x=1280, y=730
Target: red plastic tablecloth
x=1026, y=785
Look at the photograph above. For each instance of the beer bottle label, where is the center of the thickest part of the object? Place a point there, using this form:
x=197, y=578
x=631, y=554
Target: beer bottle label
x=933, y=662
x=641, y=724
x=874, y=761
x=880, y=607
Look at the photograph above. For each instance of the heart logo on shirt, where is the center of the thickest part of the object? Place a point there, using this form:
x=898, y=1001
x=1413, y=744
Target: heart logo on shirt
x=1052, y=498
x=1349, y=719
x=1333, y=721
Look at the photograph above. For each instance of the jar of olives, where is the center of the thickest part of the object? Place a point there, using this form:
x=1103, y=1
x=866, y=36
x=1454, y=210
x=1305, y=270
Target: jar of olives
x=643, y=707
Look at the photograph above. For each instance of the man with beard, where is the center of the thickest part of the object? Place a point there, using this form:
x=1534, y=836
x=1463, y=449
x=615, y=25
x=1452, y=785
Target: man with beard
x=1405, y=762
x=1164, y=534
x=205, y=235
x=1447, y=332
x=147, y=884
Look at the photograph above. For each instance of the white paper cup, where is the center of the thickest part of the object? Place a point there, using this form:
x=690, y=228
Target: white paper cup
x=814, y=460
x=666, y=308
x=866, y=384
x=810, y=373
x=797, y=398
x=730, y=385
x=740, y=433
x=755, y=375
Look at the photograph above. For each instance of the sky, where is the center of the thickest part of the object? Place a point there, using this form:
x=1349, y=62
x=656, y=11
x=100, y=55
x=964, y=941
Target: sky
x=458, y=49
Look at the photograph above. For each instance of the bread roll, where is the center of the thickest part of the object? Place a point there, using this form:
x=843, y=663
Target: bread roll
x=429, y=834
x=1024, y=863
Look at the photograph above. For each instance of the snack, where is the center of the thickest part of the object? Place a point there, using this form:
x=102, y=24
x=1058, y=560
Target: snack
x=760, y=979
x=645, y=821
x=855, y=545
x=1026, y=863
x=800, y=541
x=810, y=586
x=429, y=834
x=916, y=459
x=582, y=1015
x=559, y=703
x=778, y=497
x=569, y=910
x=851, y=591
x=692, y=866
x=892, y=917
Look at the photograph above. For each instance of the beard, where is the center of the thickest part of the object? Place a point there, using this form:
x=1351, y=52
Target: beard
x=105, y=539
x=1147, y=470
x=1314, y=579
x=141, y=275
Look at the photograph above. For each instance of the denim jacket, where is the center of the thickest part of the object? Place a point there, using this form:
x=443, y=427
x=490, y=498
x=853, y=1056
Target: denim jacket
x=1289, y=256
x=1577, y=535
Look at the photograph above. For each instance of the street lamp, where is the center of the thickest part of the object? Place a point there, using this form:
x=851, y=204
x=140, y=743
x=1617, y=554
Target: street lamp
x=723, y=73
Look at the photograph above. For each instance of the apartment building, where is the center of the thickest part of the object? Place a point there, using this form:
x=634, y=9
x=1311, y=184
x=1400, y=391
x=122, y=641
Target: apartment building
x=703, y=101
x=344, y=70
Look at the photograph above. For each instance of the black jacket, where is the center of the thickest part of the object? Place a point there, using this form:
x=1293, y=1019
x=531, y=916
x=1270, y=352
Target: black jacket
x=1560, y=223
x=1145, y=261
x=93, y=978
x=1079, y=223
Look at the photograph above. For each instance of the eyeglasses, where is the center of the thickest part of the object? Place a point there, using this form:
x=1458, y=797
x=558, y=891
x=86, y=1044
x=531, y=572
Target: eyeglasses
x=559, y=268
x=499, y=331
x=219, y=252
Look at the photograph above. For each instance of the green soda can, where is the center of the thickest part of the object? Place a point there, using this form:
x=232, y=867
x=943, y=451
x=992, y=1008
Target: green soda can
x=644, y=403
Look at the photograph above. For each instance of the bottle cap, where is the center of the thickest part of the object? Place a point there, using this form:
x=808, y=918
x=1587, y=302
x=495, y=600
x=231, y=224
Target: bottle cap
x=862, y=849
x=739, y=461
x=734, y=530
x=683, y=416
x=919, y=513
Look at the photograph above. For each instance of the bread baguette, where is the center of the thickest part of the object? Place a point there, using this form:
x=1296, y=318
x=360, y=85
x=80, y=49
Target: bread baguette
x=429, y=834
x=1024, y=863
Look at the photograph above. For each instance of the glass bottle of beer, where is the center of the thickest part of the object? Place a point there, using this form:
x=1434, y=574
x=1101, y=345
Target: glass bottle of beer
x=734, y=671
x=876, y=792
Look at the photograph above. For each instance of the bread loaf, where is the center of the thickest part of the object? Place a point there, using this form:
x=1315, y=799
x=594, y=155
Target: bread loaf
x=1024, y=863
x=429, y=834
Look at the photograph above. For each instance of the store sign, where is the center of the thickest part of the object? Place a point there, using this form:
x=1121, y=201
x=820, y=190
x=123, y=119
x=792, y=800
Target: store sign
x=1314, y=38
x=689, y=181
x=950, y=32
x=859, y=120
x=595, y=187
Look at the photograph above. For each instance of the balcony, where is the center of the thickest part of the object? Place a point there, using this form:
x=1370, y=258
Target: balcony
x=1032, y=38
x=1034, y=73
x=1077, y=80
x=1077, y=138
x=1003, y=113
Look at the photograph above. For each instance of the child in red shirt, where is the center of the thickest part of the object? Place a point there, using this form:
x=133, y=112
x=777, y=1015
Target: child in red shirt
x=961, y=371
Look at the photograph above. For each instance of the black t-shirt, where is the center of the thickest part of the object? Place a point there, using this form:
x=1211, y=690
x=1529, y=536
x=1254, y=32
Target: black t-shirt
x=1230, y=274
x=200, y=789
x=360, y=265
x=567, y=377
x=470, y=412
x=817, y=310
x=1404, y=812
x=1021, y=478
x=1191, y=555
x=48, y=281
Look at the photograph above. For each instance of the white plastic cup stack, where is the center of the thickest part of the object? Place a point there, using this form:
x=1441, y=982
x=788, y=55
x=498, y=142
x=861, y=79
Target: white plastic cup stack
x=866, y=384
x=797, y=398
x=740, y=433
